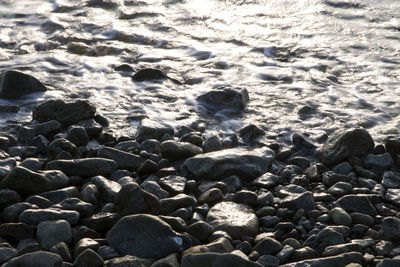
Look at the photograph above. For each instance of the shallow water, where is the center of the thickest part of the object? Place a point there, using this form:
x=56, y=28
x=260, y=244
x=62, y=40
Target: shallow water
x=310, y=66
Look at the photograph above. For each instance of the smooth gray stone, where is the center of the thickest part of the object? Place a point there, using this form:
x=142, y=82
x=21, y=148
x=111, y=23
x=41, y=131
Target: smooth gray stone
x=174, y=150
x=32, y=164
x=77, y=135
x=340, y=217
x=35, y=216
x=324, y=238
x=393, y=196
x=236, y=219
x=144, y=236
x=84, y=167
x=171, y=204
x=28, y=182
x=17, y=231
x=391, y=228
x=125, y=160
x=11, y=213
x=248, y=164
x=200, y=230
x=65, y=112
x=62, y=249
x=28, y=132
x=169, y=261
x=216, y=260
x=59, y=195
x=35, y=259
x=7, y=253
x=15, y=84
x=50, y=233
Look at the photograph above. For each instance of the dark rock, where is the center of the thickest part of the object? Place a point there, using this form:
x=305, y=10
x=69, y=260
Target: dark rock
x=392, y=145
x=248, y=164
x=125, y=160
x=85, y=209
x=342, y=248
x=193, y=138
x=212, y=143
x=339, y=260
x=330, y=178
x=147, y=167
x=174, y=184
x=15, y=84
x=107, y=252
x=7, y=253
x=355, y=203
x=144, y=236
x=250, y=133
x=34, y=259
x=267, y=180
x=298, y=201
x=169, y=261
x=88, y=258
x=8, y=197
x=28, y=182
x=216, y=260
x=391, y=180
x=92, y=128
x=268, y=246
x=81, y=232
x=245, y=197
x=285, y=254
x=17, y=231
x=50, y=233
x=221, y=98
x=391, y=228
x=178, y=224
x=11, y=213
x=41, y=202
x=84, y=167
x=174, y=150
x=171, y=204
x=236, y=219
x=85, y=243
x=154, y=188
x=343, y=144
x=77, y=135
x=129, y=261
x=301, y=142
x=382, y=161
x=325, y=238
x=35, y=216
x=57, y=196
x=101, y=221
x=148, y=129
x=304, y=253
x=27, y=133
x=393, y=196
x=268, y=261
x=211, y=196
x=149, y=74
x=107, y=189
x=200, y=230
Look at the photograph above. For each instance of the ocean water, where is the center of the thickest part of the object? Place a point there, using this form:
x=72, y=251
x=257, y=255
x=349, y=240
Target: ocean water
x=310, y=66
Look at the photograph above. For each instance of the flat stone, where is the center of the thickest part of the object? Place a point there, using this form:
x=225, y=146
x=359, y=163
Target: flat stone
x=27, y=133
x=334, y=261
x=28, y=182
x=50, y=233
x=298, y=201
x=84, y=167
x=65, y=112
x=34, y=259
x=355, y=203
x=342, y=248
x=59, y=195
x=236, y=219
x=35, y=216
x=125, y=160
x=343, y=144
x=248, y=164
x=144, y=236
x=15, y=84
x=174, y=184
x=325, y=238
x=216, y=260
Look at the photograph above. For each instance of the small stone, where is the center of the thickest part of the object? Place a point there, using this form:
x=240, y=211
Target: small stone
x=128, y=260
x=62, y=250
x=201, y=230
x=59, y=195
x=383, y=161
x=107, y=252
x=212, y=143
x=102, y=221
x=174, y=184
x=7, y=254
x=268, y=261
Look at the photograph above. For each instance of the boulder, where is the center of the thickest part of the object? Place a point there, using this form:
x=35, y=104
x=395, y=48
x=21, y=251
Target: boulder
x=223, y=97
x=84, y=167
x=248, y=164
x=15, y=84
x=144, y=236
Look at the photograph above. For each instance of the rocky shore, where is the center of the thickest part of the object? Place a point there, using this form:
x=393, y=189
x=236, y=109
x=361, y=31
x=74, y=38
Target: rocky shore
x=73, y=194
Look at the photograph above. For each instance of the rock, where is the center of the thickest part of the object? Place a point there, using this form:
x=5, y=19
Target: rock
x=174, y=150
x=149, y=74
x=383, y=247
x=301, y=142
x=62, y=145
x=154, y=188
x=268, y=246
x=57, y=196
x=392, y=145
x=211, y=196
x=41, y=202
x=236, y=219
x=391, y=180
x=77, y=135
x=107, y=252
x=304, y=253
x=35, y=216
x=220, y=245
x=144, y=236
x=245, y=197
x=382, y=161
x=66, y=113
x=298, y=201
x=108, y=189
x=15, y=84
x=343, y=168
x=222, y=98
x=125, y=160
x=268, y=260
x=85, y=209
x=325, y=238
x=200, y=230
x=389, y=263
x=212, y=143
x=285, y=254
x=342, y=248
x=34, y=259
x=129, y=261
x=171, y=204
x=248, y=164
x=148, y=129
x=250, y=133
x=101, y=221
x=267, y=180
x=174, y=184
x=340, y=189
x=62, y=250
x=343, y=144
x=84, y=167
x=84, y=244
x=7, y=254
x=132, y=199
x=169, y=261
x=17, y=231
x=28, y=182
x=393, y=196
x=8, y=197
x=340, y=217
x=216, y=260
x=356, y=203
x=330, y=178
x=88, y=258
x=50, y=233
x=339, y=260
x=27, y=133
x=391, y=228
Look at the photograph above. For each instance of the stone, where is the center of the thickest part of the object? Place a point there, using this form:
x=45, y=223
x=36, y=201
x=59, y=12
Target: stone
x=383, y=247
x=59, y=195
x=382, y=161
x=245, y=197
x=340, y=217
x=267, y=181
x=35, y=216
x=391, y=180
x=216, y=260
x=101, y=221
x=50, y=233
x=340, y=189
x=250, y=133
x=7, y=253
x=62, y=250
x=174, y=150
x=77, y=135
x=343, y=168
x=359, y=218
x=15, y=84
x=59, y=145
x=28, y=132
x=211, y=196
x=330, y=178
x=65, y=112
x=11, y=213
x=34, y=259
x=268, y=246
x=154, y=188
x=85, y=209
x=248, y=164
x=343, y=144
x=41, y=202
x=285, y=254
x=107, y=189
x=144, y=236
x=171, y=204
x=391, y=228
x=84, y=167
x=393, y=196
x=107, y=252
x=200, y=230
x=149, y=129
x=342, y=248
x=149, y=74
x=301, y=142
x=212, y=143
x=17, y=231
x=304, y=253
x=125, y=160
x=356, y=203
x=174, y=184
x=325, y=238
x=169, y=261
x=88, y=258
x=28, y=182
x=236, y=219
x=84, y=244
x=225, y=98
x=128, y=261
x=389, y=263
x=220, y=245
x=298, y=201
x=132, y=199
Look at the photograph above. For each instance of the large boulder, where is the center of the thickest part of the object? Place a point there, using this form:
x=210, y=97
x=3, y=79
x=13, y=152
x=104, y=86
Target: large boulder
x=236, y=219
x=28, y=182
x=14, y=84
x=248, y=164
x=144, y=236
x=84, y=167
x=343, y=144
x=66, y=113
x=222, y=98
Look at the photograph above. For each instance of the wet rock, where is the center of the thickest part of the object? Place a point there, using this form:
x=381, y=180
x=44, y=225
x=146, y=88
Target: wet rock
x=330, y=178
x=92, y=128
x=356, y=203
x=66, y=113
x=144, y=236
x=245, y=197
x=298, y=201
x=340, y=217
x=267, y=180
x=85, y=243
x=393, y=196
x=325, y=238
x=50, y=233
x=84, y=167
x=382, y=161
x=339, y=260
x=17, y=231
x=149, y=74
x=174, y=184
x=34, y=259
x=236, y=219
x=171, y=204
x=148, y=129
x=301, y=142
x=268, y=246
x=193, y=138
x=132, y=199
x=35, y=216
x=85, y=209
x=391, y=228
x=343, y=144
x=77, y=135
x=154, y=188
x=15, y=84
x=125, y=160
x=128, y=261
x=101, y=221
x=59, y=195
x=216, y=259
x=107, y=188
x=11, y=213
x=211, y=196
x=221, y=98
x=28, y=182
x=248, y=164
x=250, y=133
x=62, y=250
x=174, y=150
x=200, y=230
x=391, y=180
x=27, y=133
x=212, y=143
x=220, y=245
x=285, y=254
x=88, y=258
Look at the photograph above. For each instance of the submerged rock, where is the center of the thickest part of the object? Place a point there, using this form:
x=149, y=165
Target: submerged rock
x=14, y=84
x=222, y=98
x=149, y=74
